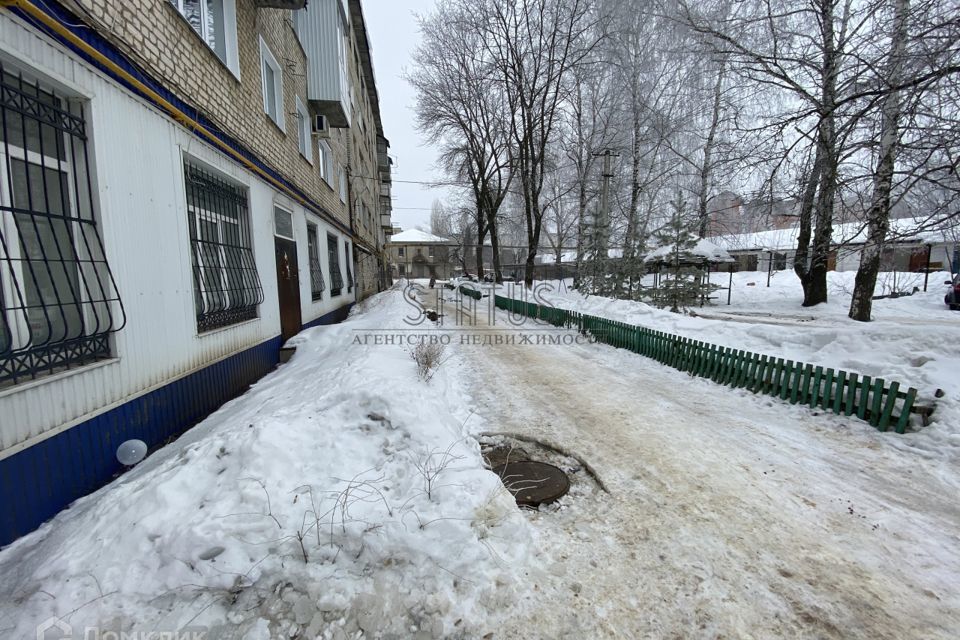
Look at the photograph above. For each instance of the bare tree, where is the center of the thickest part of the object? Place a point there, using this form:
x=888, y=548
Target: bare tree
x=534, y=44
x=878, y=218
x=460, y=106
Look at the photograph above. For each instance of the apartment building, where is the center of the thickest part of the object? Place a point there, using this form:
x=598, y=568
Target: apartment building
x=184, y=184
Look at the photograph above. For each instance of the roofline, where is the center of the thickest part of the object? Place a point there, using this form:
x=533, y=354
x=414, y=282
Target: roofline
x=363, y=45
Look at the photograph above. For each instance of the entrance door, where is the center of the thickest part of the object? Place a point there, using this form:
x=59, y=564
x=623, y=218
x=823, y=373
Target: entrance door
x=288, y=287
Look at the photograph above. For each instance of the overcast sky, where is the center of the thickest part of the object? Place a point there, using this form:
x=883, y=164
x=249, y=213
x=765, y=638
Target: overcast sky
x=393, y=33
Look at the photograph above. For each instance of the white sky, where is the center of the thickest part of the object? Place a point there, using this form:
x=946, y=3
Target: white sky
x=393, y=32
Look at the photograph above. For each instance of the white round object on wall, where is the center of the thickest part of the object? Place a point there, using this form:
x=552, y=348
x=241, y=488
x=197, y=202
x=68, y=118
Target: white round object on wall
x=131, y=452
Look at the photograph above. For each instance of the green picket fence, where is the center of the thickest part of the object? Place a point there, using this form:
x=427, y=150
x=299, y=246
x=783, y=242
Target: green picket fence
x=882, y=404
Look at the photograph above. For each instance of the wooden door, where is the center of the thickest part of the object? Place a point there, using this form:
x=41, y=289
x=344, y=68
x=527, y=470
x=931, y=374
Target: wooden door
x=288, y=287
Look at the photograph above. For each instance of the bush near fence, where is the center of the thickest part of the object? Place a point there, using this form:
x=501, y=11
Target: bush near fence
x=873, y=400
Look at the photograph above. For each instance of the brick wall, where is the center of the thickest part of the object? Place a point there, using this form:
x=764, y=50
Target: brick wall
x=154, y=34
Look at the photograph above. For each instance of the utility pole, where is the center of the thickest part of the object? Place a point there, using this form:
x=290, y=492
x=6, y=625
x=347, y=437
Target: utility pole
x=601, y=231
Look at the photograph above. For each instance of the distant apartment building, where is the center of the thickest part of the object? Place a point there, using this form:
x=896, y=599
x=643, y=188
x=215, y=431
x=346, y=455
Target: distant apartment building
x=418, y=254
x=184, y=184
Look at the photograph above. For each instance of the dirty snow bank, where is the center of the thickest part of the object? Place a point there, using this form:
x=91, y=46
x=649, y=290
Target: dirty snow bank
x=914, y=340
x=296, y=510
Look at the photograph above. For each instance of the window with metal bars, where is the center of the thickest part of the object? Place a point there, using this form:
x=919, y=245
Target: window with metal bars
x=317, y=284
x=333, y=260
x=346, y=256
x=226, y=284
x=58, y=299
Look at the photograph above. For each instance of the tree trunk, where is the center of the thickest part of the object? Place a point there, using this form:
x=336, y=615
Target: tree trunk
x=705, y=170
x=481, y=234
x=878, y=220
x=494, y=244
x=815, y=283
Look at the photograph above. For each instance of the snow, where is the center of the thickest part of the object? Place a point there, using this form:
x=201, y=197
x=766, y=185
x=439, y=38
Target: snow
x=914, y=340
x=703, y=249
x=416, y=235
x=724, y=514
x=728, y=515
x=204, y=532
x=901, y=229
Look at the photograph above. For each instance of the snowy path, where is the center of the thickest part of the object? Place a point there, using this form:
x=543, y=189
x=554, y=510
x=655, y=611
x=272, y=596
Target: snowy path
x=728, y=515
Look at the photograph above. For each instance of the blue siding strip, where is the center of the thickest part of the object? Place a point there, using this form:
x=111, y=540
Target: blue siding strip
x=335, y=316
x=38, y=482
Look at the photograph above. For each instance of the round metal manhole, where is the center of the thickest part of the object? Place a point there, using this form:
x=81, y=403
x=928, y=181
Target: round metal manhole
x=533, y=483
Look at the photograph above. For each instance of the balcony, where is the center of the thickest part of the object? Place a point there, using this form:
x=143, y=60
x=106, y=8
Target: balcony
x=322, y=30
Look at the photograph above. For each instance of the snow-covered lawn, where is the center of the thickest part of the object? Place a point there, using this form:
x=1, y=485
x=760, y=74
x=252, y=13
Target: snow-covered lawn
x=205, y=534
x=914, y=339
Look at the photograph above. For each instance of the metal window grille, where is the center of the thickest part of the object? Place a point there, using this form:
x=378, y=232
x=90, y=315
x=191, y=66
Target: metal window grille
x=336, y=277
x=226, y=284
x=58, y=299
x=317, y=285
x=346, y=256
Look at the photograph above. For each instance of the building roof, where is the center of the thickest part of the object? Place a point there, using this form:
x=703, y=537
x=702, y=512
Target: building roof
x=901, y=230
x=416, y=236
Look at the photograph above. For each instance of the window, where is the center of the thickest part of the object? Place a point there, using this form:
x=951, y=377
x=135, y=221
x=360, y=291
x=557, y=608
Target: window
x=317, y=284
x=58, y=299
x=346, y=258
x=430, y=251
x=303, y=131
x=283, y=223
x=403, y=270
x=324, y=161
x=399, y=252
x=272, y=84
x=216, y=23
x=226, y=284
x=333, y=260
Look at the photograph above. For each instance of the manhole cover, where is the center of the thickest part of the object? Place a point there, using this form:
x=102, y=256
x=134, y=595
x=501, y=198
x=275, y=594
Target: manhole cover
x=533, y=483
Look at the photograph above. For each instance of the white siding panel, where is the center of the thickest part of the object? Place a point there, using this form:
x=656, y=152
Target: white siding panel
x=136, y=153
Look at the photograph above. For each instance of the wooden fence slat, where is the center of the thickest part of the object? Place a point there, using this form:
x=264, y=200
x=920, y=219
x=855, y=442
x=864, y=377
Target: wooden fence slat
x=815, y=392
x=805, y=384
x=876, y=401
x=904, y=418
x=851, y=403
x=827, y=389
x=788, y=373
x=761, y=374
x=838, y=396
x=775, y=380
x=888, y=406
x=864, y=398
x=798, y=377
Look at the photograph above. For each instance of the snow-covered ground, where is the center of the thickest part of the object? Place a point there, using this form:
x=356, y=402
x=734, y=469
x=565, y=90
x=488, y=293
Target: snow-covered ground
x=724, y=514
x=729, y=515
x=205, y=534
x=913, y=339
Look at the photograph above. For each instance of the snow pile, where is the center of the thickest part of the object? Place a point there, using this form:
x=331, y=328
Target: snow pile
x=914, y=340
x=340, y=495
x=703, y=249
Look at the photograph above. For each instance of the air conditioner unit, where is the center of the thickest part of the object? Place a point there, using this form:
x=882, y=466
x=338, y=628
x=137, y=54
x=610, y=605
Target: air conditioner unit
x=321, y=126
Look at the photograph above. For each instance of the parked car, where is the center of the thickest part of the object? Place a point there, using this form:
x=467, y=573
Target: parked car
x=952, y=299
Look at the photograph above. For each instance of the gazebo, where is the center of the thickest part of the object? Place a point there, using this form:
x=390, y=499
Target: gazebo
x=685, y=269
